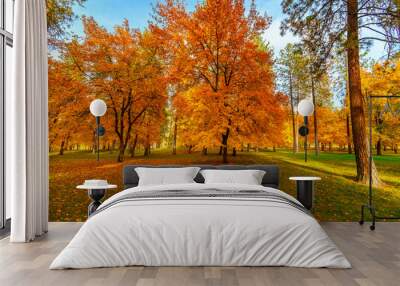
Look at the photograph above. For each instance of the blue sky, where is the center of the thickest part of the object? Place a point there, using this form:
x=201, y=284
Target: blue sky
x=109, y=13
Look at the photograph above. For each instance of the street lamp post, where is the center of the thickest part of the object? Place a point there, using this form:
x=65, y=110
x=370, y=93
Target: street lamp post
x=98, y=108
x=305, y=108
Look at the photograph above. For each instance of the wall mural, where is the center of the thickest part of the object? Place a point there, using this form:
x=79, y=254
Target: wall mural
x=216, y=83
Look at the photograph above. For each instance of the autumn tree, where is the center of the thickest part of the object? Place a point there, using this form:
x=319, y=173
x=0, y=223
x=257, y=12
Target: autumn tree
x=332, y=22
x=124, y=68
x=317, y=67
x=290, y=75
x=60, y=16
x=215, y=51
x=383, y=79
x=170, y=128
x=340, y=88
x=297, y=79
x=391, y=127
x=333, y=126
x=68, y=101
x=148, y=129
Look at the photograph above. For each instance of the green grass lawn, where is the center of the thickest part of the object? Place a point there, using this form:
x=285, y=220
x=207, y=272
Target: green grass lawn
x=337, y=197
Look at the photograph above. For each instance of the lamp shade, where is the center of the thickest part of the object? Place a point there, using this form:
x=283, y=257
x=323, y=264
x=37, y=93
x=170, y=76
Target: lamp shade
x=98, y=107
x=305, y=107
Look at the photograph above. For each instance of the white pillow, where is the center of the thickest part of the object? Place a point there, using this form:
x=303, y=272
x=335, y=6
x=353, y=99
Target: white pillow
x=248, y=177
x=166, y=176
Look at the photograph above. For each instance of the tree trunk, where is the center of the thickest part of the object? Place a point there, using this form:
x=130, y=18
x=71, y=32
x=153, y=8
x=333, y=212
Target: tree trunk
x=379, y=147
x=51, y=142
x=360, y=142
x=225, y=146
x=146, y=151
x=133, y=146
x=296, y=119
x=322, y=147
x=62, y=148
x=190, y=149
x=294, y=130
x=147, y=146
x=248, y=147
x=234, y=152
x=315, y=116
x=94, y=144
x=348, y=134
x=220, y=150
x=330, y=146
x=204, y=151
x=121, y=152
x=395, y=148
x=174, y=137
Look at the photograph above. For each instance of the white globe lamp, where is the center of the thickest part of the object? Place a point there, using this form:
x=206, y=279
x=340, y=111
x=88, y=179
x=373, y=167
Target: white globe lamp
x=305, y=107
x=98, y=108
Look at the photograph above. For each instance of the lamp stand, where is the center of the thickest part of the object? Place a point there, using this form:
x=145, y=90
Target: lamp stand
x=305, y=138
x=98, y=137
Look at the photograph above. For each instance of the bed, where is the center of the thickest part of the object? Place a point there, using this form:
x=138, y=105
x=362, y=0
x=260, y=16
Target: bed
x=198, y=224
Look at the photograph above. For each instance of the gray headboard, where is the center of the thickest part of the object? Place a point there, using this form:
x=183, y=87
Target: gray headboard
x=271, y=177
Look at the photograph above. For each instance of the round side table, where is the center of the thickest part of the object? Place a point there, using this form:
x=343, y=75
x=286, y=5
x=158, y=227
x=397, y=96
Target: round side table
x=305, y=190
x=96, y=193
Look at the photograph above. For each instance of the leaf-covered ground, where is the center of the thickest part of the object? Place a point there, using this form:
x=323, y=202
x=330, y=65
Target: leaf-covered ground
x=337, y=198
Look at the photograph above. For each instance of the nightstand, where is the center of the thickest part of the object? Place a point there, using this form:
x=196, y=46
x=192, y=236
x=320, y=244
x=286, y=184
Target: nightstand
x=305, y=190
x=96, y=191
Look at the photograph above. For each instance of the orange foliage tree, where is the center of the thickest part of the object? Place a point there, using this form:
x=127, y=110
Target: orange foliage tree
x=215, y=52
x=148, y=128
x=124, y=68
x=333, y=128
x=68, y=101
x=384, y=79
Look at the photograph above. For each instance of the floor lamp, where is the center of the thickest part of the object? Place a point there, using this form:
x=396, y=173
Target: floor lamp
x=305, y=108
x=98, y=108
x=370, y=206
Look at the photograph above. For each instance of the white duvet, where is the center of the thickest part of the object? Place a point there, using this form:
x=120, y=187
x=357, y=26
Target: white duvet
x=202, y=232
